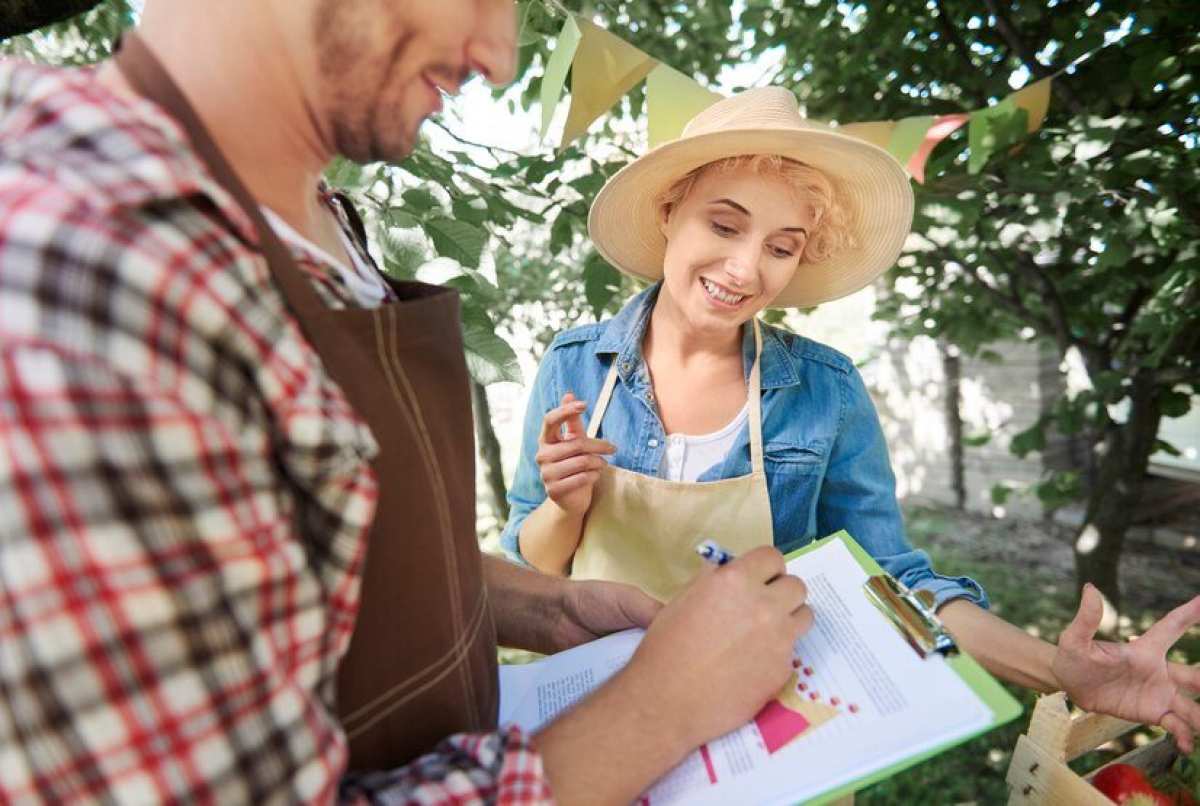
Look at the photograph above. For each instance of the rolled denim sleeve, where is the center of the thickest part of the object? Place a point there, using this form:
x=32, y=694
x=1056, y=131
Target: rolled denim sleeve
x=859, y=495
x=527, y=492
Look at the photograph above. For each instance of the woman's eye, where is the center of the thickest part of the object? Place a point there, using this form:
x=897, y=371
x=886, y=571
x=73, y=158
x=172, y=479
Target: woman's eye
x=780, y=252
x=722, y=230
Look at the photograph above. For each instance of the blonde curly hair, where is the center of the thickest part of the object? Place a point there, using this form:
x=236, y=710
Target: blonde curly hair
x=832, y=232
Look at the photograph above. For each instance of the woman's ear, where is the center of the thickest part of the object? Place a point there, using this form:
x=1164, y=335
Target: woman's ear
x=664, y=217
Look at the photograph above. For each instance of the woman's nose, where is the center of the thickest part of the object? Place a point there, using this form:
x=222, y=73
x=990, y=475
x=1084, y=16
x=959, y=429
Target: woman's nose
x=739, y=270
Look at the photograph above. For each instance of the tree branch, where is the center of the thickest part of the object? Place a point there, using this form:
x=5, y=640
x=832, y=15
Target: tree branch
x=1059, y=316
x=951, y=32
x=1028, y=57
x=466, y=142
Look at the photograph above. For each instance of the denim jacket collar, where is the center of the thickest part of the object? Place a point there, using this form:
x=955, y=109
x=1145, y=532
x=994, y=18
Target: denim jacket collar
x=624, y=334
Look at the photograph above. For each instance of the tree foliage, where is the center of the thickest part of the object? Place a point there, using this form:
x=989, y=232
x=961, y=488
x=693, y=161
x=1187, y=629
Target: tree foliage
x=1083, y=235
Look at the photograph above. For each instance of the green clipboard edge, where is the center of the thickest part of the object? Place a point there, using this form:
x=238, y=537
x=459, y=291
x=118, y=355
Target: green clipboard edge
x=1002, y=704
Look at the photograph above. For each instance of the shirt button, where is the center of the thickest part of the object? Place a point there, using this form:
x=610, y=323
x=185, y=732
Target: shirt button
x=653, y=443
x=625, y=365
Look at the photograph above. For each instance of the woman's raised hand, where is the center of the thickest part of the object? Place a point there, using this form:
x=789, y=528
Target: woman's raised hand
x=569, y=460
x=1133, y=681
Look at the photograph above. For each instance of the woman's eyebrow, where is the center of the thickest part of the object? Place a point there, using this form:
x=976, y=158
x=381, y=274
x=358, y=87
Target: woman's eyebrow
x=743, y=210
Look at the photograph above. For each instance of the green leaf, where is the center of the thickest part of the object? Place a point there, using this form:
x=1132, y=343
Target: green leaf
x=1116, y=254
x=344, y=174
x=976, y=441
x=1175, y=404
x=1000, y=494
x=588, y=184
x=396, y=217
x=421, y=200
x=538, y=171
x=1166, y=447
x=457, y=239
x=1061, y=488
x=601, y=283
x=465, y=210
x=1031, y=439
x=490, y=359
x=562, y=233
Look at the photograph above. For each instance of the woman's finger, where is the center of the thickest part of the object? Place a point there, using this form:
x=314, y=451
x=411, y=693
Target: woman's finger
x=573, y=447
x=1186, y=677
x=555, y=471
x=1179, y=728
x=572, y=483
x=1188, y=710
x=1171, y=627
x=553, y=420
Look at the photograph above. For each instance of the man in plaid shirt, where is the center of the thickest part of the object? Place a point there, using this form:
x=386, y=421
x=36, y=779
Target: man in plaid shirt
x=167, y=630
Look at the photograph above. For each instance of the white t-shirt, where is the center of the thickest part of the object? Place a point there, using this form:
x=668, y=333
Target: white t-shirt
x=687, y=457
x=359, y=277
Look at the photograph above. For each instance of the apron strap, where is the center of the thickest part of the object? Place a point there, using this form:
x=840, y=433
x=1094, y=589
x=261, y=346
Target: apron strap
x=610, y=383
x=754, y=393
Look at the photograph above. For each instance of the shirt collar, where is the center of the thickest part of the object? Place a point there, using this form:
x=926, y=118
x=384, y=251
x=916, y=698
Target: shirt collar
x=624, y=334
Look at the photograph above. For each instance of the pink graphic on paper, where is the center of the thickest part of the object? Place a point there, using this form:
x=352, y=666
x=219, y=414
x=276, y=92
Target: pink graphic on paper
x=779, y=725
x=708, y=765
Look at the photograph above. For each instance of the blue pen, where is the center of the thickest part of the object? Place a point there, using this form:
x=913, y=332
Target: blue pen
x=710, y=550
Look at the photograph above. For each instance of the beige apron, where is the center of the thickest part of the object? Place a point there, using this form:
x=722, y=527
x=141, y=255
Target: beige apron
x=644, y=530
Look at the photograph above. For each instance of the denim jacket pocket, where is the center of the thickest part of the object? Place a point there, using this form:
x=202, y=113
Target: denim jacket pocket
x=786, y=457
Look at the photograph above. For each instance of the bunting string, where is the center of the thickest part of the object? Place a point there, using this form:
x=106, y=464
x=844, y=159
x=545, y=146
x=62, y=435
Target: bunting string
x=604, y=67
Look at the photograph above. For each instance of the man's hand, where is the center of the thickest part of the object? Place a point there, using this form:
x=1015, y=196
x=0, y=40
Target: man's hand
x=731, y=631
x=1132, y=681
x=710, y=660
x=591, y=610
x=547, y=614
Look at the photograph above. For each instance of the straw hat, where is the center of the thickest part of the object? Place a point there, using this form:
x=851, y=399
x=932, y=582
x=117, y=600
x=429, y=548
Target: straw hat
x=623, y=221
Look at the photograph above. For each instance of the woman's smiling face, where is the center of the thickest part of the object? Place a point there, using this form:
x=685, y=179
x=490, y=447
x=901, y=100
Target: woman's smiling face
x=734, y=242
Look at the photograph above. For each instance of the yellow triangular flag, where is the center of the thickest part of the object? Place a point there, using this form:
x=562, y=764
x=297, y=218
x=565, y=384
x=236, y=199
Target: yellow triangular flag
x=672, y=99
x=875, y=132
x=605, y=68
x=1035, y=100
x=556, y=70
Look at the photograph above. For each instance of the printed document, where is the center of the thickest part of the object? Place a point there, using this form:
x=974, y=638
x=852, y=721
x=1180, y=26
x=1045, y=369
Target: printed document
x=859, y=700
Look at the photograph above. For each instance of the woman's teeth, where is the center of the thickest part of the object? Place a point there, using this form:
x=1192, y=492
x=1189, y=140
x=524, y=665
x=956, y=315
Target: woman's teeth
x=717, y=292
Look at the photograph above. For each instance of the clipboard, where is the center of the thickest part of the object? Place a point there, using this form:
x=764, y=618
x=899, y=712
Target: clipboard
x=1004, y=706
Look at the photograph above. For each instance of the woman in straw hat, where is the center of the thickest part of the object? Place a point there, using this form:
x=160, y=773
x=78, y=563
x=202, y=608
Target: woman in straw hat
x=706, y=423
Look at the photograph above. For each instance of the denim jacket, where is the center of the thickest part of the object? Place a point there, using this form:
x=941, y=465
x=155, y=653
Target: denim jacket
x=826, y=461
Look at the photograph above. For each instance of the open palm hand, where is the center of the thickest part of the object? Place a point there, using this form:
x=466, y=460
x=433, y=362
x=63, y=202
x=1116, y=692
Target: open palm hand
x=1133, y=681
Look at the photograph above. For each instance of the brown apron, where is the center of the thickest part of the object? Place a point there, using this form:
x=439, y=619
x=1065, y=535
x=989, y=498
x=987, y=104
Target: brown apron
x=422, y=661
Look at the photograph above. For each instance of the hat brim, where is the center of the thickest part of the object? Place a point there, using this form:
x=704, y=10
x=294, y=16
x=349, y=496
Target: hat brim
x=623, y=221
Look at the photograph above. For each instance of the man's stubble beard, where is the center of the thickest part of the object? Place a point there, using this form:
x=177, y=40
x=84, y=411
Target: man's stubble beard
x=353, y=88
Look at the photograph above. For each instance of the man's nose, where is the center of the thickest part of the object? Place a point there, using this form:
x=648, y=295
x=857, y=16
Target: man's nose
x=492, y=50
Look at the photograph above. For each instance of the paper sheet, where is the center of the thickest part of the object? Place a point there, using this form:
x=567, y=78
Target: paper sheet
x=859, y=700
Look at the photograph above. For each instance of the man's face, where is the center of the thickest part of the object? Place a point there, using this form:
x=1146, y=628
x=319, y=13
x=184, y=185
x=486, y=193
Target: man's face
x=383, y=65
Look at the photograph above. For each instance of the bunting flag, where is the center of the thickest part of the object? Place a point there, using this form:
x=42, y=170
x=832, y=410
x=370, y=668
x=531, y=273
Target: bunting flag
x=672, y=100
x=1035, y=100
x=604, y=67
x=556, y=70
x=942, y=128
x=992, y=129
x=878, y=132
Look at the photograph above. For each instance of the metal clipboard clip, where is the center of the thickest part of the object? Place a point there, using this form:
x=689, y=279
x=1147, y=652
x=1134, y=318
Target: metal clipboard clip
x=911, y=614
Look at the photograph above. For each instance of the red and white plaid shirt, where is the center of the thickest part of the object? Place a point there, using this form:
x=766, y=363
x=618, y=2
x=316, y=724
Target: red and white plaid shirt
x=166, y=632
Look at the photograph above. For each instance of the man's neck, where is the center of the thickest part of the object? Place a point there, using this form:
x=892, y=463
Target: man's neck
x=248, y=96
